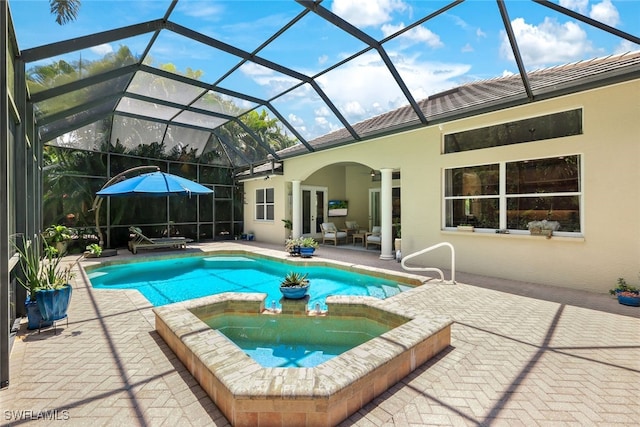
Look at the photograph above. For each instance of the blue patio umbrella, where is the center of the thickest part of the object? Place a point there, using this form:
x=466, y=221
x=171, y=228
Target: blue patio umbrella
x=158, y=184
x=155, y=184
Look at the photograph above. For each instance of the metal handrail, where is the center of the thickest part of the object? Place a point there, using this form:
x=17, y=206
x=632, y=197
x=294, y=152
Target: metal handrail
x=429, y=249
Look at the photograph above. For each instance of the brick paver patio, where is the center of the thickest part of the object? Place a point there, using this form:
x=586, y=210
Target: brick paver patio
x=520, y=354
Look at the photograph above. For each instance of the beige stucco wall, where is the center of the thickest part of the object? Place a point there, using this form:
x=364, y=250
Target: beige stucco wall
x=610, y=148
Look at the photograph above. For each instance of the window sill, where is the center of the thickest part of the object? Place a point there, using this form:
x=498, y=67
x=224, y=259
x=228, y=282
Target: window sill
x=512, y=235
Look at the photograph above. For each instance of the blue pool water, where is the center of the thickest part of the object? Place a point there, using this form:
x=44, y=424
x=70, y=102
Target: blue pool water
x=294, y=342
x=178, y=279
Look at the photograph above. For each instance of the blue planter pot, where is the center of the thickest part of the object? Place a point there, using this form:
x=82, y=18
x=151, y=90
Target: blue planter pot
x=306, y=252
x=295, y=251
x=294, y=292
x=53, y=303
x=34, y=317
x=633, y=301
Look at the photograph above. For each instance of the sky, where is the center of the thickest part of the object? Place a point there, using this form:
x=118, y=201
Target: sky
x=466, y=43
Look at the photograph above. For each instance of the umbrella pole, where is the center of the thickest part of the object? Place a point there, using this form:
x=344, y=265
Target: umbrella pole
x=97, y=202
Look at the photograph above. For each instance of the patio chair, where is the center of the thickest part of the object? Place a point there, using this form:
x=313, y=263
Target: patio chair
x=351, y=226
x=331, y=234
x=373, y=237
x=140, y=241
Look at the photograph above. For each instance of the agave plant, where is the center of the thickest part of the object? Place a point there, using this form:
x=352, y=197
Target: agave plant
x=41, y=267
x=295, y=280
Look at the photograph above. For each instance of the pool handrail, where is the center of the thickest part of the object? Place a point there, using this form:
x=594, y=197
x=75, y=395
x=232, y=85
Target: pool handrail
x=429, y=249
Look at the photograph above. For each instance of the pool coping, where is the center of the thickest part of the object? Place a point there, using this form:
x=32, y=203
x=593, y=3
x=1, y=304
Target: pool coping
x=251, y=395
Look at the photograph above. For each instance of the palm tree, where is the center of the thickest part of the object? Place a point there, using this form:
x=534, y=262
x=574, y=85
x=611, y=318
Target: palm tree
x=65, y=11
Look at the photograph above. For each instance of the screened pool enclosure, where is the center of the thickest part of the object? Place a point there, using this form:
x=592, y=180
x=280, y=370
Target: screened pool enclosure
x=220, y=92
x=209, y=101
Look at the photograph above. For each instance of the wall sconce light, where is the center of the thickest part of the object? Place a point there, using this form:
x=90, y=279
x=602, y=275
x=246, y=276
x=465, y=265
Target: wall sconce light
x=372, y=173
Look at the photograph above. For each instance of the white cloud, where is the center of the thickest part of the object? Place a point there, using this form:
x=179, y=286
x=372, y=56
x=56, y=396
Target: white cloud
x=274, y=82
x=353, y=108
x=201, y=10
x=295, y=120
x=102, y=49
x=547, y=43
x=419, y=34
x=367, y=13
x=606, y=13
x=625, y=46
x=480, y=33
x=577, y=5
x=323, y=59
x=322, y=111
x=363, y=87
x=467, y=48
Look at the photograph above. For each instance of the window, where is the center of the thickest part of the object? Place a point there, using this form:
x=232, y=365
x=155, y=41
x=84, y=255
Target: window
x=472, y=196
x=549, y=126
x=509, y=195
x=264, y=204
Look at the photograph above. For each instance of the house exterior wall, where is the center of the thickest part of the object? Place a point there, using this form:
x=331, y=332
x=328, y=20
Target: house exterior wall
x=609, y=246
x=268, y=231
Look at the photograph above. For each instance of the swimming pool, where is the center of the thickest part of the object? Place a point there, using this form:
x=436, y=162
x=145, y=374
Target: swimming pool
x=169, y=280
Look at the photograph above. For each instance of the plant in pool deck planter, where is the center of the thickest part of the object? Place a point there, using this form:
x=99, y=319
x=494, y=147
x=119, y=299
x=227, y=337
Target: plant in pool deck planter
x=47, y=284
x=294, y=285
x=288, y=225
x=626, y=294
x=293, y=246
x=308, y=246
x=58, y=236
x=94, y=250
x=308, y=242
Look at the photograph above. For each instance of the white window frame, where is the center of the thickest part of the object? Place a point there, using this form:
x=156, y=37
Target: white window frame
x=503, y=196
x=263, y=206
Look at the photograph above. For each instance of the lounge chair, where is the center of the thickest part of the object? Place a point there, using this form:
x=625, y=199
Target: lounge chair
x=331, y=234
x=140, y=241
x=373, y=237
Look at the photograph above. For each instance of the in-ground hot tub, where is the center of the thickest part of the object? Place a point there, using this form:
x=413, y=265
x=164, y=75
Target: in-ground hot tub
x=290, y=341
x=251, y=395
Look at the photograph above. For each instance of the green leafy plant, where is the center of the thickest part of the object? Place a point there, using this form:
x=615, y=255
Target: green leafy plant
x=291, y=243
x=288, y=224
x=308, y=242
x=95, y=249
x=295, y=280
x=40, y=266
x=57, y=234
x=623, y=286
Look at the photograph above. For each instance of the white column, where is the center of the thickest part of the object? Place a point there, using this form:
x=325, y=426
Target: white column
x=296, y=208
x=386, y=212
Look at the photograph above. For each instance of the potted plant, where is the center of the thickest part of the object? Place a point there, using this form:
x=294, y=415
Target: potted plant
x=397, y=243
x=292, y=246
x=58, y=236
x=626, y=294
x=295, y=285
x=288, y=224
x=543, y=228
x=47, y=284
x=94, y=250
x=308, y=246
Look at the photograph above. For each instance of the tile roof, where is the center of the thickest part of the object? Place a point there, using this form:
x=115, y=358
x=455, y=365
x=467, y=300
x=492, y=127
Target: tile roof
x=488, y=95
